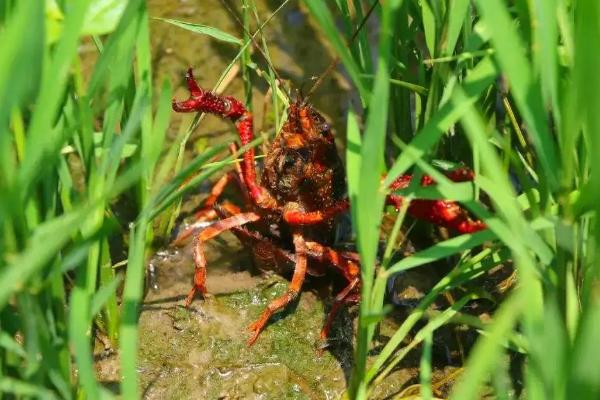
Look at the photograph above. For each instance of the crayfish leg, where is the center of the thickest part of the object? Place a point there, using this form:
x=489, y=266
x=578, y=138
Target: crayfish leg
x=207, y=212
x=209, y=232
x=347, y=295
x=290, y=295
x=296, y=217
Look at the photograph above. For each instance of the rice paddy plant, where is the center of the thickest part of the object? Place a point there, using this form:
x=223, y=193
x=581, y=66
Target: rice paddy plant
x=506, y=87
x=70, y=149
x=79, y=151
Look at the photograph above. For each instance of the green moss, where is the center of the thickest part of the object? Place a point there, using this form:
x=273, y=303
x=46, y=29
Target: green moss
x=202, y=352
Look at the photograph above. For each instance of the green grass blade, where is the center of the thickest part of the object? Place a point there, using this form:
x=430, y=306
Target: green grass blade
x=500, y=189
x=161, y=122
x=203, y=30
x=49, y=238
x=424, y=333
x=457, y=12
x=175, y=188
x=9, y=344
x=545, y=51
x=353, y=159
x=510, y=55
x=487, y=351
x=132, y=295
x=149, y=151
x=25, y=389
x=103, y=294
x=40, y=135
x=103, y=16
x=429, y=27
x=584, y=383
x=79, y=337
x=465, y=271
x=19, y=71
x=441, y=250
x=370, y=199
x=111, y=48
x=425, y=367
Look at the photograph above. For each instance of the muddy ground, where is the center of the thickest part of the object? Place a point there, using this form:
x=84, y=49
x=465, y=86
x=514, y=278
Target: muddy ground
x=201, y=352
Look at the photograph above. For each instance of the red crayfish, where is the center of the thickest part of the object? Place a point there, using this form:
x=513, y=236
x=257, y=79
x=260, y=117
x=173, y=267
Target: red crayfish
x=293, y=208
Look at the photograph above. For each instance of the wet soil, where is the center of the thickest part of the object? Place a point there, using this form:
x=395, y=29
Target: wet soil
x=201, y=352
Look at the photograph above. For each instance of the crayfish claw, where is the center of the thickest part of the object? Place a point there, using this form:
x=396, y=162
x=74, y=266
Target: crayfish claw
x=255, y=330
x=321, y=349
x=192, y=85
x=193, y=103
x=188, y=105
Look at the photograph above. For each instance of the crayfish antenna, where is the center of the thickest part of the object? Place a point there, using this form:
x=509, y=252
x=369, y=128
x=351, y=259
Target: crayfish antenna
x=300, y=98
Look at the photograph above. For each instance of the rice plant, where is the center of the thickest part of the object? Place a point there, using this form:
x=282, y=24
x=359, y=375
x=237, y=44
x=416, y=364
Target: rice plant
x=77, y=150
x=508, y=85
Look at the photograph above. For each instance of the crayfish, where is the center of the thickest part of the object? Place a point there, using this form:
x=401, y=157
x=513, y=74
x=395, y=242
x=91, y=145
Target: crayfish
x=291, y=211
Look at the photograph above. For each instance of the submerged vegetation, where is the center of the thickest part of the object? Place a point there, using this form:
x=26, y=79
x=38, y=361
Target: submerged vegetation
x=90, y=182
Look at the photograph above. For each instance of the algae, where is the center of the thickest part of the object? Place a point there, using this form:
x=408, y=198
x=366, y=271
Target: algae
x=201, y=352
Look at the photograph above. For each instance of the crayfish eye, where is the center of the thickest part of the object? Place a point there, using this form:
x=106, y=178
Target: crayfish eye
x=304, y=154
x=286, y=162
x=289, y=160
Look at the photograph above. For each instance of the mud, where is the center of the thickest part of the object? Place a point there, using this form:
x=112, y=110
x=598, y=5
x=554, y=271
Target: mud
x=201, y=352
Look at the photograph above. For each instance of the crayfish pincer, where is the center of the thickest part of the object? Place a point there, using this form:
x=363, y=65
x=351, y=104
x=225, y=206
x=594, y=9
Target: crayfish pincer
x=289, y=217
